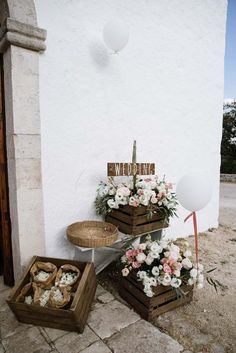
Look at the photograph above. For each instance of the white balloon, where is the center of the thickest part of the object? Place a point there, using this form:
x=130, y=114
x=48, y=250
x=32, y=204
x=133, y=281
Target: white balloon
x=116, y=35
x=194, y=192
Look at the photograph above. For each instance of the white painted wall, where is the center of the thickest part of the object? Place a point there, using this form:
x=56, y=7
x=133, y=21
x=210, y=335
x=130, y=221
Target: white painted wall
x=165, y=89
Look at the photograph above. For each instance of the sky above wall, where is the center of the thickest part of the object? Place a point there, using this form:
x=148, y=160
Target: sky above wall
x=230, y=52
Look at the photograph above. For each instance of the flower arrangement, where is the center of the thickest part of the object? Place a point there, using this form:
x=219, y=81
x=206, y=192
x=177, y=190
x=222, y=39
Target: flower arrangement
x=155, y=194
x=162, y=263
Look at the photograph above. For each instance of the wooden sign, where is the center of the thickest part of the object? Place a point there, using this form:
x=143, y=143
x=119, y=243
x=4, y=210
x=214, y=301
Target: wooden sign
x=126, y=169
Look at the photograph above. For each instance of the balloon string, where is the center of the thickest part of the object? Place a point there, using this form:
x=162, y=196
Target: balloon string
x=195, y=233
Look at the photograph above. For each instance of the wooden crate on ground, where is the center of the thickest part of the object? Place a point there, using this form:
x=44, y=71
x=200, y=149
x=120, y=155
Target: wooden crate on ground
x=72, y=319
x=135, y=220
x=164, y=299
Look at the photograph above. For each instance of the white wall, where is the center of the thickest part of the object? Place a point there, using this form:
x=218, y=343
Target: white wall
x=165, y=90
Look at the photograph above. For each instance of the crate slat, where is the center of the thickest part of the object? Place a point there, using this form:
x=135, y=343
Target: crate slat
x=164, y=299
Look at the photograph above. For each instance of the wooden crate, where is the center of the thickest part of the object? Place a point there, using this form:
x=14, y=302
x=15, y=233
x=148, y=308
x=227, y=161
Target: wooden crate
x=72, y=319
x=164, y=299
x=135, y=220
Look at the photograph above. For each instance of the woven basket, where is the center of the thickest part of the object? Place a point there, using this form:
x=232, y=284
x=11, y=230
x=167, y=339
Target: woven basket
x=92, y=234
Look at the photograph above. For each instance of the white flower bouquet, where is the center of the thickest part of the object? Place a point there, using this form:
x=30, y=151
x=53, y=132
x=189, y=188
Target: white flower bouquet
x=162, y=263
x=156, y=195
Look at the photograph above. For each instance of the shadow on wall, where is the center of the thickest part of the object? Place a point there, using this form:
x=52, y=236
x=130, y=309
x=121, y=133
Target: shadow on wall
x=99, y=54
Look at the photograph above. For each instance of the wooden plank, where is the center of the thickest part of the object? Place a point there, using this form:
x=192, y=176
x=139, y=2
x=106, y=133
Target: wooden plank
x=138, y=307
x=170, y=306
x=4, y=194
x=136, y=219
x=126, y=169
x=136, y=292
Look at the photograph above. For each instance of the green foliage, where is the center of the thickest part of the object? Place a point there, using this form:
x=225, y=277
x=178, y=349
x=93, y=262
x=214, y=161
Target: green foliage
x=228, y=144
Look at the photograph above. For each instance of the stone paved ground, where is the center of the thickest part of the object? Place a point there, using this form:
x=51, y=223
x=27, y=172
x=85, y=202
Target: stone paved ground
x=111, y=327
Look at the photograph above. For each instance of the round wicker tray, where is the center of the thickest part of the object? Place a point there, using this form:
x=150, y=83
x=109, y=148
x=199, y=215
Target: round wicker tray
x=92, y=234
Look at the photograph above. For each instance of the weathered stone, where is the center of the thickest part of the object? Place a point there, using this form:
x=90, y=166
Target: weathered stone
x=3, y=296
x=28, y=173
x=1, y=348
x=217, y=348
x=100, y=290
x=54, y=334
x=74, y=342
x=26, y=146
x=8, y=323
x=110, y=318
x=97, y=347
x=27, y=341
x=105, y=298
x=143, y=337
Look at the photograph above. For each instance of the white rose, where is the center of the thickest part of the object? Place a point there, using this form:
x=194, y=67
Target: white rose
x=143, y=200
x=142, y=274
x=193, y=273
x=147, y=281
x=141, y=257
x=142, y=246
x=153, y=281
x=155, y=247
x=123, y=191
x=187, y=264
x=175, y=282
x=112, y=203
x=153, y=199
x=155, y=271
x=149, y=260
x=187, y=253
x=154, y=254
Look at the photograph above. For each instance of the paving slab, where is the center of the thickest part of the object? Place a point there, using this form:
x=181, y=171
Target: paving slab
x=74, y=342
x=3, y=296
x=54, y=333
x=1, y=348
x=27, y=341
x=143, y=337
x=105, y=298
x=97, y=347
x=110, y=318
x=9, y=325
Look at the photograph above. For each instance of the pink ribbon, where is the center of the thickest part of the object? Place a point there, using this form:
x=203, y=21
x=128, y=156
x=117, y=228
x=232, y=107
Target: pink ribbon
x=195, y=233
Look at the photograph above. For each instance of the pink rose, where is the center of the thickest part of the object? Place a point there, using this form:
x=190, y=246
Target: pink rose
x=129, y=253
x=163, y=261
x=166, y=268
x=136, y=264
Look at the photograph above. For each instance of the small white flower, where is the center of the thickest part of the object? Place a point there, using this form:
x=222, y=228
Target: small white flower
x=125, y=272
x=142, y=246
x=153, y=281
x=149, y=293
x=149, y=260
x=155, y=271
x=112, y=203
x=141, y=257
x=187, y=264
x=142, y=274
x=155, y=247
x=160, y=267
x=123, y=191
x=187, y=253
x=123, y=259
x=154, y=254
